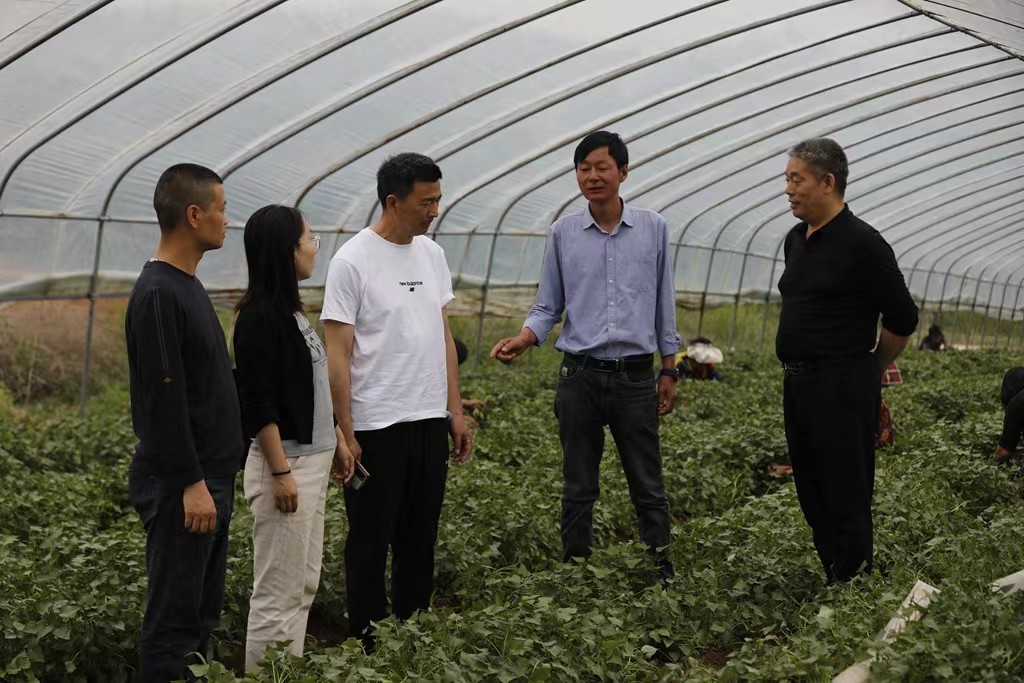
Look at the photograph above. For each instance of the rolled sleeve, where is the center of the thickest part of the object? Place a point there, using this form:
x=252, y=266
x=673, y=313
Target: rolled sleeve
x=889, y=289
x=665, y=309
x=547, y=311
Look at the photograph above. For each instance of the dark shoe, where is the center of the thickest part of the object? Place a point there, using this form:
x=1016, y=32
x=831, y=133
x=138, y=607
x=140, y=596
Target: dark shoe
x=663, y=565
x=666, y=574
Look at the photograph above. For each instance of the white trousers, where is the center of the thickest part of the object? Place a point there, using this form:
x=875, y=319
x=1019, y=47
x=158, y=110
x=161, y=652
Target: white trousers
x=287, y=552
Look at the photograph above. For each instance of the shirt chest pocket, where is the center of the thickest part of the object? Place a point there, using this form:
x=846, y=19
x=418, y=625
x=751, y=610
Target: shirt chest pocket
x=638, y=275
x=627, y=270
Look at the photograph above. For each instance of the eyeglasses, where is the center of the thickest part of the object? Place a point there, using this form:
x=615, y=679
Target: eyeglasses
x=315, y=239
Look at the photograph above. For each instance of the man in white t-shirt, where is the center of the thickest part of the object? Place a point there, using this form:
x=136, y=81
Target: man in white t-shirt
x=395, y=384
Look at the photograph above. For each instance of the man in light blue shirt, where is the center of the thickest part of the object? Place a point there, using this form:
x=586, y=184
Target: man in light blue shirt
x=608, y=269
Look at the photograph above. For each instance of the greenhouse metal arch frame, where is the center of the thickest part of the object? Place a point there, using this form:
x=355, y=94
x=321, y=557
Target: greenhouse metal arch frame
x=297, y=101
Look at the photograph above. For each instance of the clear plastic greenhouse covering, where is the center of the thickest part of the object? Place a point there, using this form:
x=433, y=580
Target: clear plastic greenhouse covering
x=298, y=102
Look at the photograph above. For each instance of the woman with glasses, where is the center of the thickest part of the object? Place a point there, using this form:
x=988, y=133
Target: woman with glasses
x=287, y=411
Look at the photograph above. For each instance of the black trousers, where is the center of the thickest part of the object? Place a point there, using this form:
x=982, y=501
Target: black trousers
x=627, y=401
x=398, y=507
x=831, y=413
x=186, y=574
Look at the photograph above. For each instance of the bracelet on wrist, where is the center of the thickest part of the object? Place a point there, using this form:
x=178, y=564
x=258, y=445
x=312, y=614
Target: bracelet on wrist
x=281, y=474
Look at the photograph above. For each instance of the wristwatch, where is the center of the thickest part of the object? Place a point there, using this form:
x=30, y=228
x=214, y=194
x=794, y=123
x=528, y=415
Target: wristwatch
x=673, y=373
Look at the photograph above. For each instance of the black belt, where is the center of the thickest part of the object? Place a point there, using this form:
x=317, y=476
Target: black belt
x=611, y=364
x=805, y=366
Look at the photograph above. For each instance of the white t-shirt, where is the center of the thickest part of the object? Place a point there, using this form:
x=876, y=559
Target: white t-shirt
x=393, y=295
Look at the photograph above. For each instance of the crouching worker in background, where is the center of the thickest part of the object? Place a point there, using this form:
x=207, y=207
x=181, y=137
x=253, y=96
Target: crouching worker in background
x=1011, y=395
x=699, y=361
x=469, y=405
x=286, y=405
x=935, y=341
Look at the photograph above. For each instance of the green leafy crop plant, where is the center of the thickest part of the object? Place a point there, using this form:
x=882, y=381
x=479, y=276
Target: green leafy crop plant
x=749, y=601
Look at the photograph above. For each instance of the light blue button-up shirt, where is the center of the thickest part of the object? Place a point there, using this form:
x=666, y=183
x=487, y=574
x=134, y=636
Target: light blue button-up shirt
x=616, y=289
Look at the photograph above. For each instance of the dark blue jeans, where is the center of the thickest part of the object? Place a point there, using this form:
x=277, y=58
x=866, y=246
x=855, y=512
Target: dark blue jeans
x=186, y=574
x=626, y=401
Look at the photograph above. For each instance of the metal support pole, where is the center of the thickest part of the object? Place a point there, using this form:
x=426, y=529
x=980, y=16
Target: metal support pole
x=483, y=300
x=922, y=309
x=83, y=399
x=938, y=310
x=999, y=315
x=736, y=302
x=988, y=307
x=1020, y=339
x=1020, y=328
x=767, y=304
x=700, y=317
x=1011, y=252
x=732, y=324
x=974, y=308
x=959, y=296
x=1013, y=309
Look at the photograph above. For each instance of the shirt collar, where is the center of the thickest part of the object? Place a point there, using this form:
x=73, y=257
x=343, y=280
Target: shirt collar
x=840, y=217
x=628, y=217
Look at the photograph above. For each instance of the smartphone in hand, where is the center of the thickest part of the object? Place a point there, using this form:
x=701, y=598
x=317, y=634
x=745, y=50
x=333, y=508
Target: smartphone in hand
x=359, y=478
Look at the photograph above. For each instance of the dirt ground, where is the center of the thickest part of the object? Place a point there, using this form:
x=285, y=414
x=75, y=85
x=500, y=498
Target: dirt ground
x=42, y=346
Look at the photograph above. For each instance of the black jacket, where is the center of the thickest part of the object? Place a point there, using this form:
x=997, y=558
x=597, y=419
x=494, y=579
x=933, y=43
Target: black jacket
x=275, y=372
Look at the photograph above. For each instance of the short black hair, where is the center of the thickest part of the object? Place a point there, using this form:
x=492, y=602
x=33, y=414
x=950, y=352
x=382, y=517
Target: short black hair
x=602, y=138
x=271, y=236
x=824, y=155
x=398, y=174
x=179, y=187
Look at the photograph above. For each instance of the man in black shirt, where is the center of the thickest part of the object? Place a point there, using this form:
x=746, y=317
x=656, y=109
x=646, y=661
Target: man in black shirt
x=840, y=274
x=186, y=416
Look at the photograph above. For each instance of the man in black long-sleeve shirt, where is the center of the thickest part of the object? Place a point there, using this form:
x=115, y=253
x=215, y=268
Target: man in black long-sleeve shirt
x=840, y=274
x=186, y=416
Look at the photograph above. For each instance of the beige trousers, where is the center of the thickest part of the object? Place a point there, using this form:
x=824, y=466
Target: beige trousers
x=287, y=553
